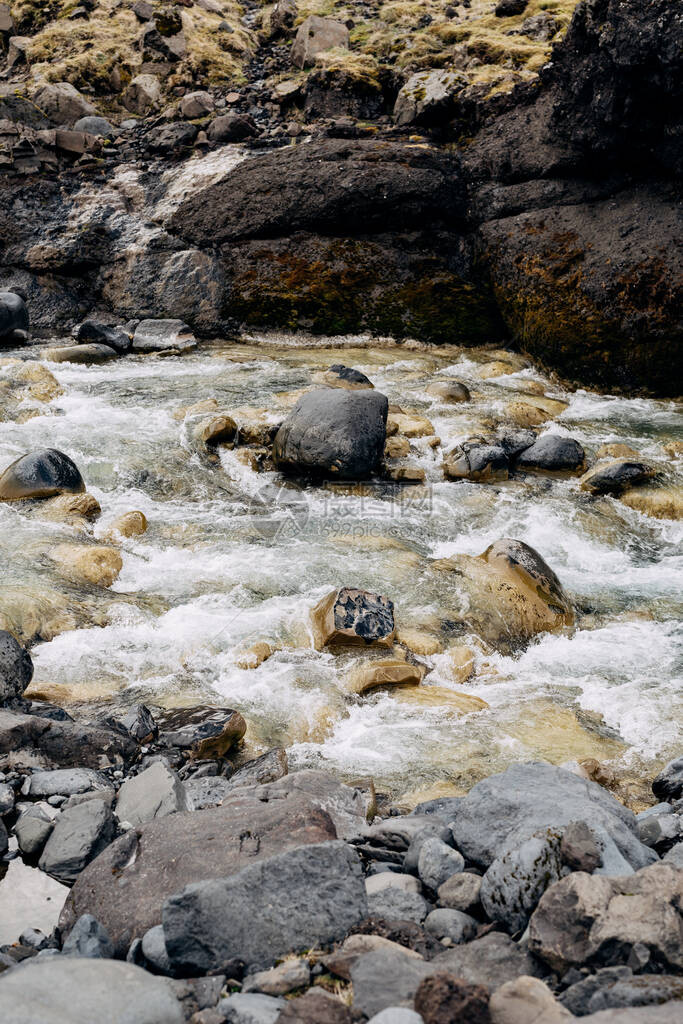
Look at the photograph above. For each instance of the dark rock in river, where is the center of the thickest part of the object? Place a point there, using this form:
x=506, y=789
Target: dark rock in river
x=201, y=732
x=314, y=895
x=552, y=452
x=333, y=432
x=13, y=318
x=668, y=785
x=16, y=667
x=80, y=991
x=126, y=886
x=614, y=477
x=90, y=332
x=40, y=474
x=475, y=460
x=351, y=616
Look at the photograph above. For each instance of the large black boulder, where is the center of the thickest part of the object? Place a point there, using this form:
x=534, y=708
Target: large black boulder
x=41, y=474
x=13, y=317
x=333, y=432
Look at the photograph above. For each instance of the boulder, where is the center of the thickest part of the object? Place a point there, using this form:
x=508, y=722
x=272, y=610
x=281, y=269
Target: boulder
x=316, y=35
x=342, y=959
x=461, y=892
x=618, y=987
x=85, y=354
x=159, y=335
x=282, y=17
x=90, y=332
x=93, y=125
x=437, y=862
x=206, y=791
x=65, y=782
x=386, y=672
x=333, y=432
x=501, y=812
x=579, y=848
x=355, y=617
x=142, y=94
x=249, y=1008
x=62, y=103
x=383, y=978
x=443, y=999
x=553, y=453
x=314, y=895
x=449, y=391
x=269, y=767
x=126, y=886
x=138, y=721
x=40, y=474
x=16, y=667
x=14, y=321
x=615, y=476
x=429, y=98
x=231, y=128
x=668, y=785
x=202, y=732
x=450, y=924
x=348, y=807
x=514, y=883
x=278, y=981
x=392, y=904
x=63, y=742
x=79, y=834
x=597, y=921
x=475, y=460
x=79, y=991
x=340, y=376
x=196, y=104
x=490, y=961
x=154, y=793
x=96, y=564
x=509, y=593
x=525, y=1000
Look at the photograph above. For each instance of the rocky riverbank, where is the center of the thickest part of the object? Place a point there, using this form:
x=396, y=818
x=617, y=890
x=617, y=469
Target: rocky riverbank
x=393, y=195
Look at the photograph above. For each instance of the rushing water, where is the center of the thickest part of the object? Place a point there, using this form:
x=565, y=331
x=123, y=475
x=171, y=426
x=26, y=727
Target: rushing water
x=232, y=556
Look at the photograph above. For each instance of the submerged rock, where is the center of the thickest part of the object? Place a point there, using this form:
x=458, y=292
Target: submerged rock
x=475, y=460
x=334, y=432
x=615, y=477
x=40, y=474
x=553, y=452
x=87, y=354
x=350, y=616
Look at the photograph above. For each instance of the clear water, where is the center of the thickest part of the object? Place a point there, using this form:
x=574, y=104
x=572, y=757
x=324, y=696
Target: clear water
x=233, y=556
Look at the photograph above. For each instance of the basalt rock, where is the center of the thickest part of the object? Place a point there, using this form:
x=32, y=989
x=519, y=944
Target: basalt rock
x=350, y=616
x=63, y=743
x=16, y=667
x=41, y=474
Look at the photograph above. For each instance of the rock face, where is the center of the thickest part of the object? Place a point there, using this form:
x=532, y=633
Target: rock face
x=314, y=895
x=589, y=919
x=80, y=991
x=16, y=667
x=333, y=432
x=500, y=812
x=41, y=474
x=126, y=886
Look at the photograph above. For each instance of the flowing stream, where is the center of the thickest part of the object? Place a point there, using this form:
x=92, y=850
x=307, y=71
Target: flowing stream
x=233, y=556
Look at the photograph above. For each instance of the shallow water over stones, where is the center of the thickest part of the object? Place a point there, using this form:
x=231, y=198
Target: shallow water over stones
x=232, y=557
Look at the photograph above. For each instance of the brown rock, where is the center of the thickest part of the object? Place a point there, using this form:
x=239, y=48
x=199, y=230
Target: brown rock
x=342, y=960
x=125, y=887
x=252, y=657
x=388, y=672
x=202, y=732
x=316, y=1007
x=443, y=999
x=130, y=524
x=84, y=563
x=526, y=1001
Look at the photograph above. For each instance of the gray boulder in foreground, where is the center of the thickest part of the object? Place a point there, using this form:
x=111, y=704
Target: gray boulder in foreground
x=333, y=432
x=303, y=898
x=501, y=812
x=66, y=990
x=79, y=834
x=153, y=793
x=16, y=667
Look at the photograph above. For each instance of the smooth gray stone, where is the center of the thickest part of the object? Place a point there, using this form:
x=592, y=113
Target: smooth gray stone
x=65, y=782
x=88, y=939
x=391, y=880
x=675, y=855
x=33, y=827
x=552, y=452
x=412, y=856
x=78, y=836
x=656, y=810
x=500, y=812
x=436, y=862
x=396, y=1015
x=153, y=793
x=251, y=1008
x=154, y=949
x=94, y=125
x=66, y=990
x=396, y=905
x=386, y=978
x=450, y=924
x=515, y=882
x=314, y=895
